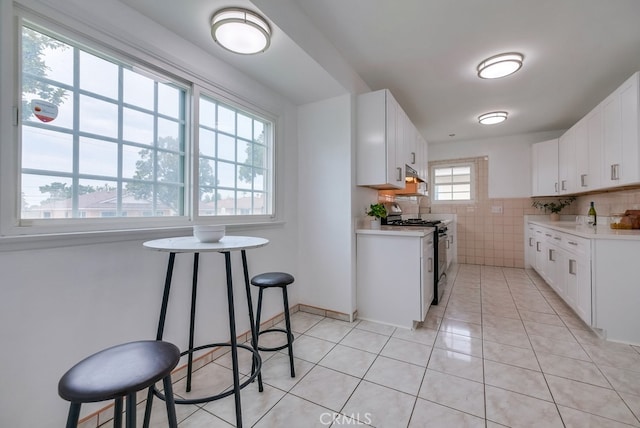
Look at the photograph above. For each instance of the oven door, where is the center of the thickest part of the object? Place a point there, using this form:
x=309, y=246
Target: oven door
x=442, y=254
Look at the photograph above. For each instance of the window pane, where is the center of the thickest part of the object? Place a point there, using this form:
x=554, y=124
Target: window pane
x=169, y=100
x=442, y=171
x=98, y=75
x=245, y=127
x=138, y=90
x=134, y=160
x=169, y=134
x=443, y=179
x=226, y=174
x=226, y=202
x=45, y=149
x=98, y=157
x=45, y=194
x=226, y=120
x=169, y=167
x=98, y=117
x=244, y=152
x=461, y=196
x=137, y=126
x=226, y=147
x=461, y=170
x=461, y=188
x=207, y=142
x=207, y=113
x=207, y=172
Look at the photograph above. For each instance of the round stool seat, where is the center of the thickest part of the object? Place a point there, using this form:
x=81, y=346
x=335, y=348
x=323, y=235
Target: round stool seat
x=119, y=371
x=272, y=279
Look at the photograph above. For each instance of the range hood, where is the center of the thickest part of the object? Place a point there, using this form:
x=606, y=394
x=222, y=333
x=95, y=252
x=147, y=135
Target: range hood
x=413, y=186
x=411, y=173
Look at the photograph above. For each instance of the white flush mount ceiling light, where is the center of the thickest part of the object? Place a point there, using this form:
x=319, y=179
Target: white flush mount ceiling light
x=500, y=65
x=493, y=117
x=240, y=31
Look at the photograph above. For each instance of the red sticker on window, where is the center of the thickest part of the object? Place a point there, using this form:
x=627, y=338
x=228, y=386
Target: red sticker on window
x=44, y=110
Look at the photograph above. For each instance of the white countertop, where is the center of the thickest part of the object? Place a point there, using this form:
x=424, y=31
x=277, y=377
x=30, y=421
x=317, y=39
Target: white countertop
x=599, y=232
x=397, y=231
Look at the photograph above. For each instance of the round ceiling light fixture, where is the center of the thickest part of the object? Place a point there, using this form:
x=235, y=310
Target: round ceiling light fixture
x=500, y=65
x=493, y=117
x=240, y=31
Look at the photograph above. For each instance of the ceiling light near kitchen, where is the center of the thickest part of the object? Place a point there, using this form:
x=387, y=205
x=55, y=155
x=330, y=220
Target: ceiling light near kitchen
x=493, y=117
x=500, y=65
x=240, y=31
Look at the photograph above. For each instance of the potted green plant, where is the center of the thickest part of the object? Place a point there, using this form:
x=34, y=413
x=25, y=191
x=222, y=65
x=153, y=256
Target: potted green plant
x=377, y=211
x=554, y=207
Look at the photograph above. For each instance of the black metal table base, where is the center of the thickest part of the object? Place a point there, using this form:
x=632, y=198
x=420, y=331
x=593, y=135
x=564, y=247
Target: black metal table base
x=257, y=361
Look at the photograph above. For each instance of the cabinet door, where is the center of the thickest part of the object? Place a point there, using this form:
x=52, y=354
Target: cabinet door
x=593, y=178
x=377, y=159
x=428, y=280
x=581, y=273
x=620, y=131
x=567, y=162
x=630, y=170
x=545, y=165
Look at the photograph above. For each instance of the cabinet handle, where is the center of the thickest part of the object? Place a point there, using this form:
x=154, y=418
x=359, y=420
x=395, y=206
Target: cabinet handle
x=430, y=264
x=399, y=173
x=538, y=247
x=573, y=243
x=447, y=244
x=548, y=235
x=583, y=181
x=564, y=184
x=572, y=267
x=615, y=170
x=556, y=186
x=531, y=242
x=551, y=259
x=413, y=158
x=557, y=238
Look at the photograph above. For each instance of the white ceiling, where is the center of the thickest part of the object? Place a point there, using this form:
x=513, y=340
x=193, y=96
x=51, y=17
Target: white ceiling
x=426, y=52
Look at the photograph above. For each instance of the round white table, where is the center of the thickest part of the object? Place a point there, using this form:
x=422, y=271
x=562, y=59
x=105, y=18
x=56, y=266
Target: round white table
x=189, y=244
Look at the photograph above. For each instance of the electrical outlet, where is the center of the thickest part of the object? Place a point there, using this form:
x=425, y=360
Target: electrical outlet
x=496, y=209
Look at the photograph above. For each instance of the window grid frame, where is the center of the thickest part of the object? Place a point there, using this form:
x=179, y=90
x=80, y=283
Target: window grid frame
x=454, y=164
x=76, y=133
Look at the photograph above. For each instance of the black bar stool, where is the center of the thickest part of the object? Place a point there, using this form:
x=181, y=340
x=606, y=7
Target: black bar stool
x=269, y=280
x=119, y=372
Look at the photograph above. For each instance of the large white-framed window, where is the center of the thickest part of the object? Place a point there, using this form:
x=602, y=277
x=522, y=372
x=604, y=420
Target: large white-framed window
x=453, y=182
x=106, y=140
x=235, y=161
x=99, y=137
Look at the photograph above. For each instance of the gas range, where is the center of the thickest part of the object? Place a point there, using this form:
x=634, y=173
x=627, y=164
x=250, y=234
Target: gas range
x=396, y=220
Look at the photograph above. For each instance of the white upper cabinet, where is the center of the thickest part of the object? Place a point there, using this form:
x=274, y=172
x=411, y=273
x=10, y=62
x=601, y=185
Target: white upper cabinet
x=380, y=152
x=386, y=142
x=589, y=139
x=567, y=162
x=544, y=157
x=620, y=131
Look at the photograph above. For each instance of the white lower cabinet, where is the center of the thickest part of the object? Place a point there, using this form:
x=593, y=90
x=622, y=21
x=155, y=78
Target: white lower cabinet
x=395, y=278
x=564, y=262
x=595, y=273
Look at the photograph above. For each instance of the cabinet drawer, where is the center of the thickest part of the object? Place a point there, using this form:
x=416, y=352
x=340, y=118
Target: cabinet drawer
x=576, y=245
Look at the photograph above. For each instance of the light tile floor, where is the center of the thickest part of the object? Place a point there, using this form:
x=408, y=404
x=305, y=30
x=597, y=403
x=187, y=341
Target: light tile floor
x=502, y=350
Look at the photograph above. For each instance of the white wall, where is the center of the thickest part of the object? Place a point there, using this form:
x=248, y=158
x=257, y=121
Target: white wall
x=326, y=272
x=509, y=160
x=58, y=305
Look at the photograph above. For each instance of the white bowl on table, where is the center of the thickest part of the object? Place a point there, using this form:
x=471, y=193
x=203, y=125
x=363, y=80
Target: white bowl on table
x=208, y=232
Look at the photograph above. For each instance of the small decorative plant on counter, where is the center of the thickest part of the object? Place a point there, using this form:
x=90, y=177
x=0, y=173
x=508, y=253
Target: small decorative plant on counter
x=554, y=206
x=377, y=211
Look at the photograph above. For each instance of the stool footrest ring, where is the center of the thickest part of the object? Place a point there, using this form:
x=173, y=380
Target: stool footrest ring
x=256, y=359
x=276, y=348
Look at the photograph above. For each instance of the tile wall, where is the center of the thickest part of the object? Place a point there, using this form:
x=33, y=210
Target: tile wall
x=491, y=231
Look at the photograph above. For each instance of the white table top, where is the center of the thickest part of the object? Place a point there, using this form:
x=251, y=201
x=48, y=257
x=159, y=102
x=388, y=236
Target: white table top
x=189, y=244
